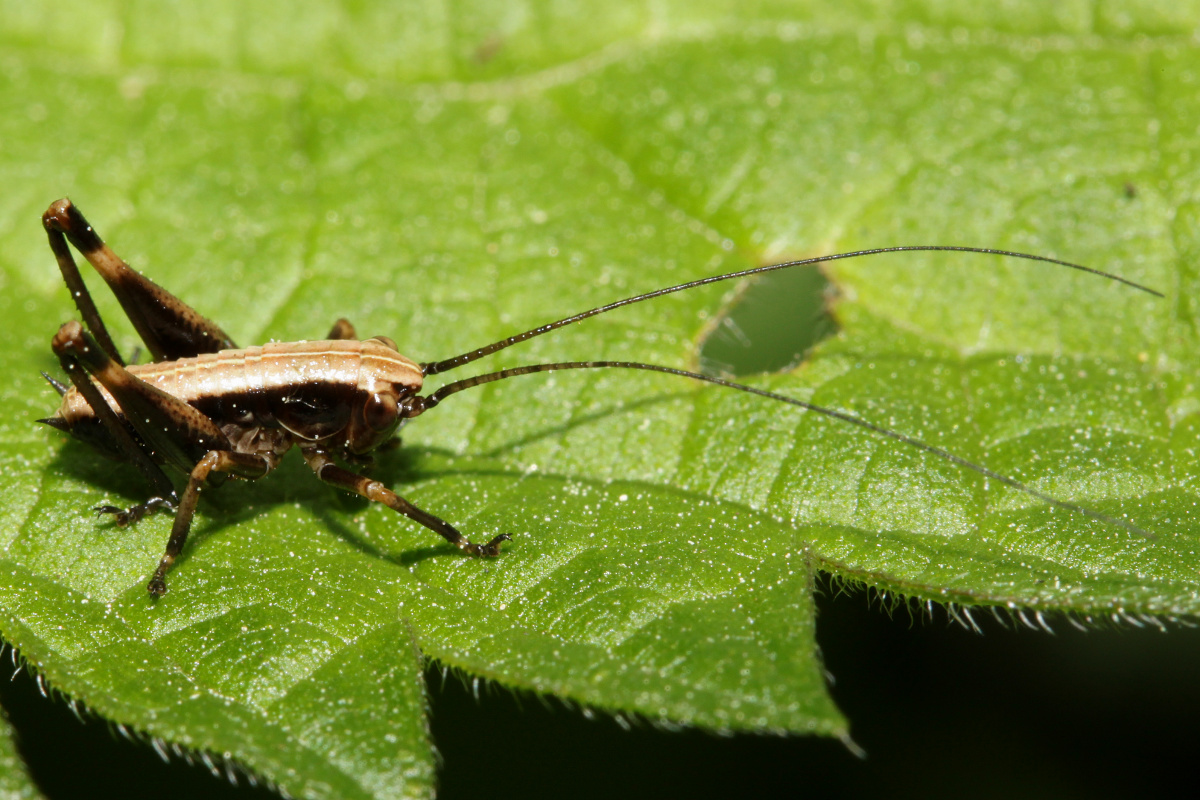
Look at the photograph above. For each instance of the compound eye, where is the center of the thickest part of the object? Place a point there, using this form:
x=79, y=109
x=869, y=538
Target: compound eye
x=380, y=411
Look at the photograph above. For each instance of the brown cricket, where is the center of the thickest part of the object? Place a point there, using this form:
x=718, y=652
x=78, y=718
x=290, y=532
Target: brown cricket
x=213, y=410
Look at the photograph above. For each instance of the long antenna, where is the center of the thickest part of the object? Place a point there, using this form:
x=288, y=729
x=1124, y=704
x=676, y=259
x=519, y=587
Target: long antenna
x=434, y=367
x=415, y=405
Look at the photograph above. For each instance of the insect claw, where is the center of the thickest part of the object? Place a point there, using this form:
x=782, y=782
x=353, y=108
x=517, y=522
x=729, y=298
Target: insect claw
x=120, y=515
x=127, y=516
x=489, y=550
x=492, y=548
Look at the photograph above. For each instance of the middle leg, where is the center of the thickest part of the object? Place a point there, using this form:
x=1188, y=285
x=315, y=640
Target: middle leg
x=244, y=465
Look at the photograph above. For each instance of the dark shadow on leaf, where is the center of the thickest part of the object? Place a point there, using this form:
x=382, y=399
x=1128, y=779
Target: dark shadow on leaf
x=413, y=557
x=80, y=462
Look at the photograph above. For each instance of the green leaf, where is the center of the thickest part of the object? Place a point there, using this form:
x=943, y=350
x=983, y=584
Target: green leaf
x=450, y=181
x=15, y=783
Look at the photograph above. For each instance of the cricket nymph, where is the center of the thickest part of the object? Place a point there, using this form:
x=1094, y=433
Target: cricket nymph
x=343, y=392
x=215, y=411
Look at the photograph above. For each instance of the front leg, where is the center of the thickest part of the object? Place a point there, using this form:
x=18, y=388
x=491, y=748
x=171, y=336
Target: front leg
x=375, y=491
